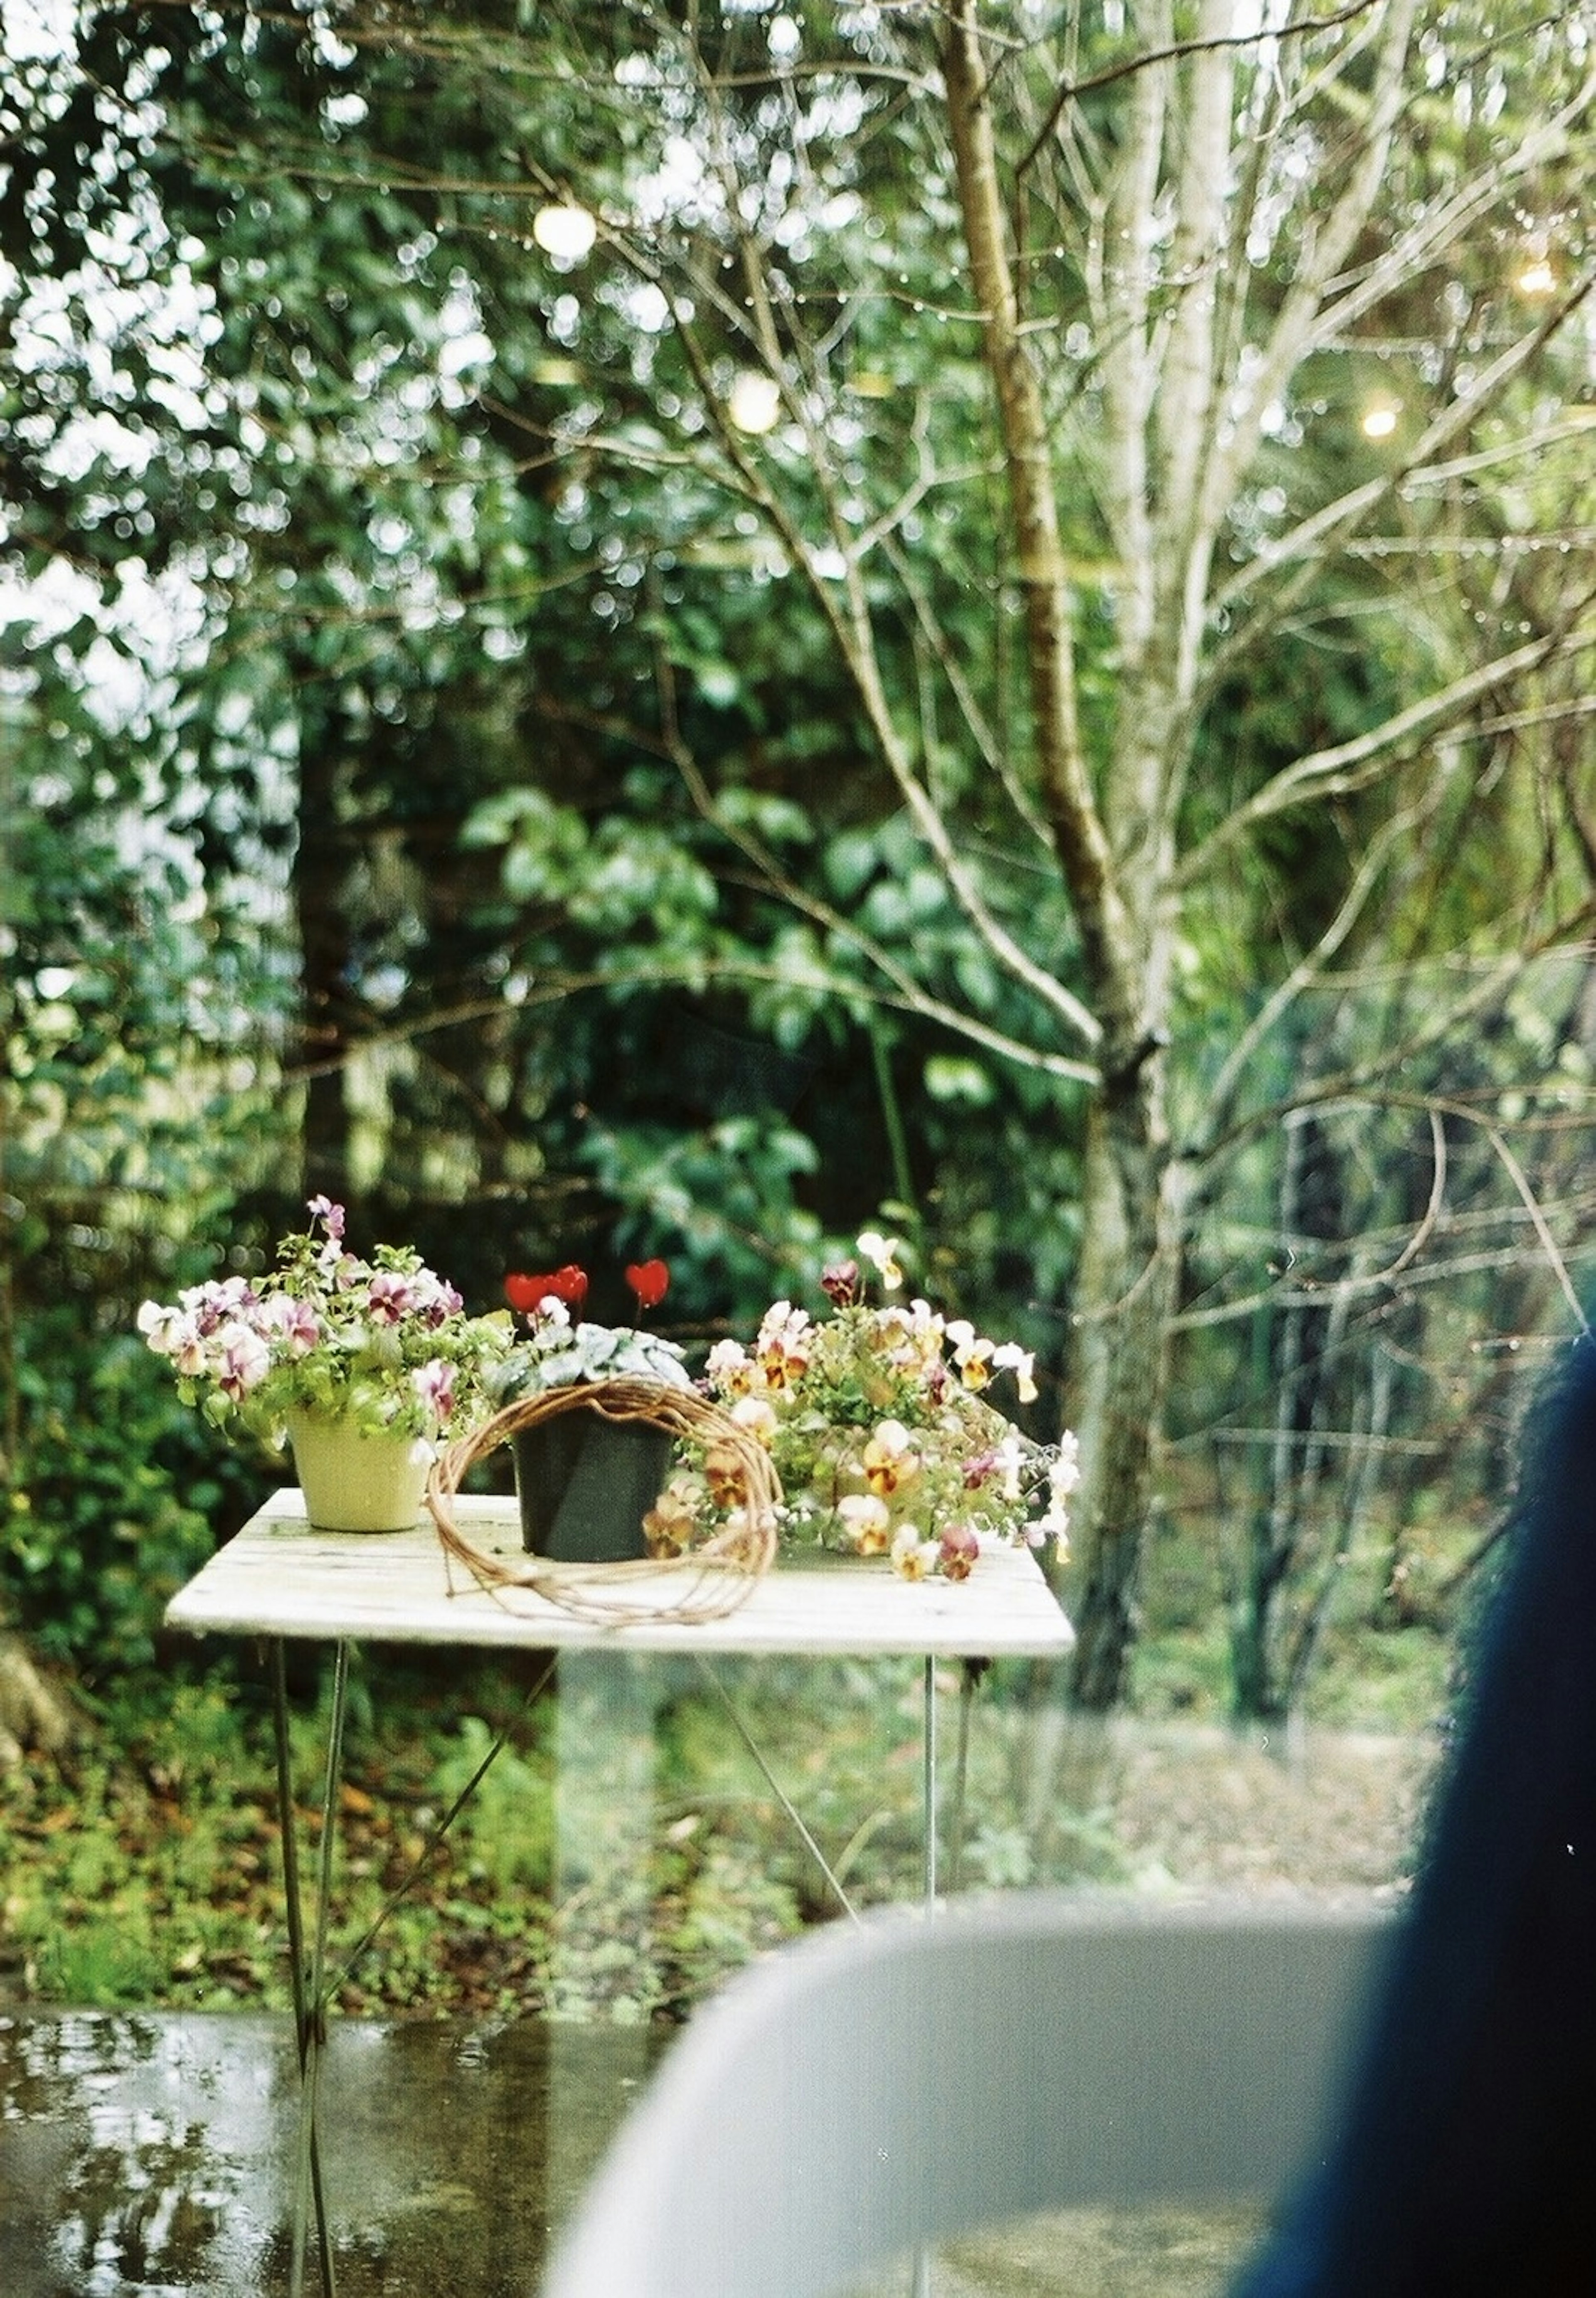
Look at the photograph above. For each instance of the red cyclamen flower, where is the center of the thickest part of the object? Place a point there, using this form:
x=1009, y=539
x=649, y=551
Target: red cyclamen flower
x=650, y=1280
x=526, y=1294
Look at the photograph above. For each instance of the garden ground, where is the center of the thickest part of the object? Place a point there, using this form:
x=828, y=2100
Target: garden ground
x=122, y=2136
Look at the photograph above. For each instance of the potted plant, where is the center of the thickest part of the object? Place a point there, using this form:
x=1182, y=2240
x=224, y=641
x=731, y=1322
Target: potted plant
x=588, y=1466
x=885, y=1442
x=362, y=1367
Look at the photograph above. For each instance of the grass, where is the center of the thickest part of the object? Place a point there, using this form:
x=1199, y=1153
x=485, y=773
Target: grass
x=149, y=1872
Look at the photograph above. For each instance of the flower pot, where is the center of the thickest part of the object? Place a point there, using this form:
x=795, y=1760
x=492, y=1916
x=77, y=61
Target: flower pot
x=585, y=1483
x=356, y=1482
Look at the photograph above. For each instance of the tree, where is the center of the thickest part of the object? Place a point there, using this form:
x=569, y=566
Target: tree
x=960, y=431
x=1172, y=239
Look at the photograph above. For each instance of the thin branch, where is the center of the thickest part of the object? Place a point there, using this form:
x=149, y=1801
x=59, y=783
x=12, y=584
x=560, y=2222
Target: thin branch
x=1520, y=1181
x=690, y=971
x=1356, y=1086
x=993, y=755
x=1071, y=91
x=1348, y=767
x=1308, y=968
x=1307, y=543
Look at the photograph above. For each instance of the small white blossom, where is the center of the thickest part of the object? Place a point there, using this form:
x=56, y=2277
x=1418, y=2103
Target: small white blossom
x=1009, y=1357
x=867, y=1520
x=913, y=1557
x=757, y=1415
x=881, y=1252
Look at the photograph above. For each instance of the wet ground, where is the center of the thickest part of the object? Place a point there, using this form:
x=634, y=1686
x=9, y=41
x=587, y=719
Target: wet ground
x=152, y=2153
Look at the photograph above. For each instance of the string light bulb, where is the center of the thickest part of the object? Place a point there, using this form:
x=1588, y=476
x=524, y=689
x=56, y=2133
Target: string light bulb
x=1535, y=277
x=755, y=403
x=564, y=231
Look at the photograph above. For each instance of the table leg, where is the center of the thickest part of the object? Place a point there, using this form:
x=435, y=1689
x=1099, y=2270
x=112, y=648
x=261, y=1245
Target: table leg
x=971, y=1672
x=308, y=1971
x=928, y=1811
x=605, y=1761
x=922, y=2286
x=313, y=1987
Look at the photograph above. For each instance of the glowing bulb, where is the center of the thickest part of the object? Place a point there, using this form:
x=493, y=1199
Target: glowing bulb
x=756, y=402
x=1535, y=276
x=566, y=232
x=1380, y=417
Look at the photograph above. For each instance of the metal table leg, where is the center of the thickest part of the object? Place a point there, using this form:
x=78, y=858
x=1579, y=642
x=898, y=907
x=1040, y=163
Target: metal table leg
x=971, y=1672
x=310, y=1988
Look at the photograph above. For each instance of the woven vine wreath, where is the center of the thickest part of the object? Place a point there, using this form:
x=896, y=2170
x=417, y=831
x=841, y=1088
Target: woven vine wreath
x=717, y=1575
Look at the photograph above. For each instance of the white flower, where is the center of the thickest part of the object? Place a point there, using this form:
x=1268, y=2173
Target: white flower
x=193, y=1356
x=1022, y=1362
x=242, y=1359
x=1065, y=1474
x=434, y=1383
x=914, y=1558
x=881, y=1252
x=970, y=1352
x=867, y=1520
x=757, y=1415
x=1010, y=1465
x=889, y=1458
x=170, y=1332
x=782, y=1326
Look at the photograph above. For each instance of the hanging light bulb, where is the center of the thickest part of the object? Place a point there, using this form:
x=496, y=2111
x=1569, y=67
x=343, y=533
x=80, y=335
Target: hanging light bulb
x=1535, y=276
x=564, y=231
x=755, y=403
x=1381, y=417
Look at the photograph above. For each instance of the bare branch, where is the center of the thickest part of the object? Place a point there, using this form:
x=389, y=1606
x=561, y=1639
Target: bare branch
x=1349, y=766
x=1172, y=52
x=1390, y=838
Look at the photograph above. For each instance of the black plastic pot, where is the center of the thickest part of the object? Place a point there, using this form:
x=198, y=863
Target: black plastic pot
x=585, y=1483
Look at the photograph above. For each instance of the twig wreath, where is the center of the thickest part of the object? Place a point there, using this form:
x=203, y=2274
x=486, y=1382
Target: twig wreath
x=720, y=1572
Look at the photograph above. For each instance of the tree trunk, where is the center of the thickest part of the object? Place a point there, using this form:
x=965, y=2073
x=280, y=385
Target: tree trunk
x=1129, y=1277
x=1132, y=1191
x=319, y=917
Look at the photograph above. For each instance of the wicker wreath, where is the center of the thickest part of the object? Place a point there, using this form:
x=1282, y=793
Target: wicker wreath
x=719, y=1574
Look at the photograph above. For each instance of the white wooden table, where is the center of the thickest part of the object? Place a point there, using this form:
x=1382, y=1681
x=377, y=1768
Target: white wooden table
x=279, y=1579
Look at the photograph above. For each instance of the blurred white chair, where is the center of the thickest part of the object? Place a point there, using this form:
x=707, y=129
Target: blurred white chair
x=876, y=2088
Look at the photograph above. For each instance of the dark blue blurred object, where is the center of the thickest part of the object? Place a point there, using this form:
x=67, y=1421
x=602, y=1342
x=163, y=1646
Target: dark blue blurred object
x=1469, y=2162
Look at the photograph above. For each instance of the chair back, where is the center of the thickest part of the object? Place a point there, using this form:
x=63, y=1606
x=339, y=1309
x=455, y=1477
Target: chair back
x=878, y=2087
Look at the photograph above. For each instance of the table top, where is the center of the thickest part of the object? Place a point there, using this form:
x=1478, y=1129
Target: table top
x=278, y=1577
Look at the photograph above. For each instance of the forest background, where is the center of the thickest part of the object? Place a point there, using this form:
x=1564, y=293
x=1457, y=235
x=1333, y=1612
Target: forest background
x=670, y=629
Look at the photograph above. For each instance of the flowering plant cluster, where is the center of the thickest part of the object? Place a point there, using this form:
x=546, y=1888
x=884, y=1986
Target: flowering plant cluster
x=385, y=1341
x=877, y=1424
